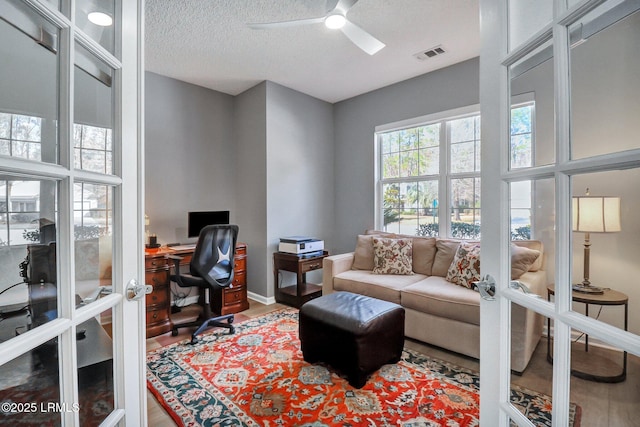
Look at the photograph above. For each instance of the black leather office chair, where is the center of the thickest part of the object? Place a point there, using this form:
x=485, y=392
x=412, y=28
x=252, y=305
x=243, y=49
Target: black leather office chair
x=211, y=270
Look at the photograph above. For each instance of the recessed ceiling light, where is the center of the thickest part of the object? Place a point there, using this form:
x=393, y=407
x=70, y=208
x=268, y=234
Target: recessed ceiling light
x=335, y=21
x=101, y=19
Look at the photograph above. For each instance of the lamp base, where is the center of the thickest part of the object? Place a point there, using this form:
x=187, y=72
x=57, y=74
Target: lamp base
x=587, y=289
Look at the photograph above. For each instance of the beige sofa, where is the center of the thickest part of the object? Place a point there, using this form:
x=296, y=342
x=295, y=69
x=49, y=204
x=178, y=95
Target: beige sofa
x=438, y=312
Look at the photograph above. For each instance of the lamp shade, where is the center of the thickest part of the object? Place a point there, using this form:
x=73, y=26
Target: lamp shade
x=596, y=214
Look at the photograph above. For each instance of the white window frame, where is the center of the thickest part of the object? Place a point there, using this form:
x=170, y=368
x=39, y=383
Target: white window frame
x=444, y=177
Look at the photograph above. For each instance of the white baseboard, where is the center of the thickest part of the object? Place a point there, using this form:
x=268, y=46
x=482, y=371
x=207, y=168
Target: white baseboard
x=259, y=298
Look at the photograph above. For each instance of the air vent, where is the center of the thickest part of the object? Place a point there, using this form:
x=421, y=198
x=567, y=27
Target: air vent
x=435, y=51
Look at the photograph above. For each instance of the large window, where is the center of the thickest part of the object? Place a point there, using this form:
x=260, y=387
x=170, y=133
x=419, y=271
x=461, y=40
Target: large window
x=422, y=163
x=429, y=179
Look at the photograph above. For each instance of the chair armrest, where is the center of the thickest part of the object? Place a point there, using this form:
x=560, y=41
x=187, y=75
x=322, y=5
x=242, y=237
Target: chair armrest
x=332, y=266
x=176, y=265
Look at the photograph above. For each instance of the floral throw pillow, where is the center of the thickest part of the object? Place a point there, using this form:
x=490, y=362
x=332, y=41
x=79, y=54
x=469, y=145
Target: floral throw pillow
x=465, y=268
x=392, y=256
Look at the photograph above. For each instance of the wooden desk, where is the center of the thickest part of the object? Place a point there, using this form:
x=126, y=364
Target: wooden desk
x=157, y=270
x=301, y=292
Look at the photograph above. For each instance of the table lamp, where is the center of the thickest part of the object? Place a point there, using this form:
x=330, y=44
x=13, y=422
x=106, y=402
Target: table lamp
x=594, y=214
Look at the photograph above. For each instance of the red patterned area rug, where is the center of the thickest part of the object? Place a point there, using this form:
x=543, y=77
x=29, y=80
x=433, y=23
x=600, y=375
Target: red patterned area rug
x=257, y=377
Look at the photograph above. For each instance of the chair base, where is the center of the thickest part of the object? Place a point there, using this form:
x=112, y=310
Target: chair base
x=217, y=322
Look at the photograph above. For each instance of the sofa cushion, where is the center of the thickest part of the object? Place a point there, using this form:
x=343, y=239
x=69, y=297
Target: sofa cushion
x=446, y=250
x=424, y=252
x=363, y=255
x=436, y=296
x=382, y=286
x=522, y=259
x=465, y=268
x=392, y=256
x=535, y=245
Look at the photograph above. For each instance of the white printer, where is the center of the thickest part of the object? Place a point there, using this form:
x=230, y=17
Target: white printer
x=300, y=245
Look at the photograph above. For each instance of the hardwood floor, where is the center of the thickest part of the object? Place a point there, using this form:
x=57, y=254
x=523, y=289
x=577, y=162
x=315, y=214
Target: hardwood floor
x=603, y=405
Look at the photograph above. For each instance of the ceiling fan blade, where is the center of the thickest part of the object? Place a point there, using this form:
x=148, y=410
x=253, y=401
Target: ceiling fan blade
x=285, y=24
x=343, y=6
x=361, y=38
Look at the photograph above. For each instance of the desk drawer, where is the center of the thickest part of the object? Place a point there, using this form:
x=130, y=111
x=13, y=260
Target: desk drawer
x=157, y=315
x=240, y=263
x=311, y=265
x=239, y=278
x=159, y=296
x=233, y=295
x=155, y=263
x=157, y=278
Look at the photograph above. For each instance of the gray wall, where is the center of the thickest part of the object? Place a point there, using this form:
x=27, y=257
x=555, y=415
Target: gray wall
x=190, y=155
x=355, y=120
x=300, y=172
x=250, y=122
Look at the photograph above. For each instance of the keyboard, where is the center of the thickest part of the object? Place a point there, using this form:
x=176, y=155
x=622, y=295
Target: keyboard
x=188, y=247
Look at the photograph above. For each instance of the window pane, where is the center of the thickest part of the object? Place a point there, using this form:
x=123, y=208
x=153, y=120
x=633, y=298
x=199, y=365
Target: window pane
x=532, y=131
x=408, y=139
x=93, y=113
x=429, y=135
x=463, y=129
x=390, y=142
x=465, y=208
x=465, y=145
x=409, y=163
x=97, y=26
x=605, y=95
x=28, y=219
x=462, y=157
x=527, y=18
x=30, y=379
x=520, y=210
x=390, y=165
x=95, y=369
x=28, y=95
x=429, y=161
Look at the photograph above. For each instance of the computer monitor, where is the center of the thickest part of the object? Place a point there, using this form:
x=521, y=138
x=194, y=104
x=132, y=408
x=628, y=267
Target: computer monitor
x=198, y=220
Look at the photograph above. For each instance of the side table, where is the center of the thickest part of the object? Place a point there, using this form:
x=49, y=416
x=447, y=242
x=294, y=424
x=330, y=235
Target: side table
x=608, y=298
x=301, y=292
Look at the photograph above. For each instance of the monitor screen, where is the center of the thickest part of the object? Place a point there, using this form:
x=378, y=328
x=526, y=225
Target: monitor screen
x=199, y=220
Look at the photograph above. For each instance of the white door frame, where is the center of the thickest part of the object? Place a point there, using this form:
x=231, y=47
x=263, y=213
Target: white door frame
x=129, y=347
x=495, y=409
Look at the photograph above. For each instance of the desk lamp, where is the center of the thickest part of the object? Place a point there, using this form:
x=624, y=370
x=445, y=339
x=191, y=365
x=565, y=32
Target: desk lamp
x=594, y=214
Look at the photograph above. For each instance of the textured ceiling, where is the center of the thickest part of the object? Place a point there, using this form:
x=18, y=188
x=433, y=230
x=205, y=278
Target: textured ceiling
x=207, y=43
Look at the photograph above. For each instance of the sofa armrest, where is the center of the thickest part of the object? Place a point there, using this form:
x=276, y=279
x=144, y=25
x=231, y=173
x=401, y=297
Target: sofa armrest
x=332, y=266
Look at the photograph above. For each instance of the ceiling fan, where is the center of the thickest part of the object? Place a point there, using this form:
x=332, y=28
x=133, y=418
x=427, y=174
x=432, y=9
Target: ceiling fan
x=335, y=19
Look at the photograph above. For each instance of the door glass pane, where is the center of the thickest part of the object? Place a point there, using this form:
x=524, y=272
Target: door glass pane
x=93, y=227
x=93, y=127
x=532, y=128
x=28, y=220
x=30, y=383
x=605, y=96
x=526, y=18
x=605, y=241
x=532, y=380
x=96, y=18
x=600, y=384
x=95, y=368
x=28, y=95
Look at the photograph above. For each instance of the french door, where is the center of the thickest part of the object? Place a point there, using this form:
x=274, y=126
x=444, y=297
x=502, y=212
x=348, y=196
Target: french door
x=72, y=339
x=578, y=61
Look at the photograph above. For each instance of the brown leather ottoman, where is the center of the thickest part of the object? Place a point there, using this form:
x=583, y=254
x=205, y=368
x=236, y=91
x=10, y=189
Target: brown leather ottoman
x=352, y=333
